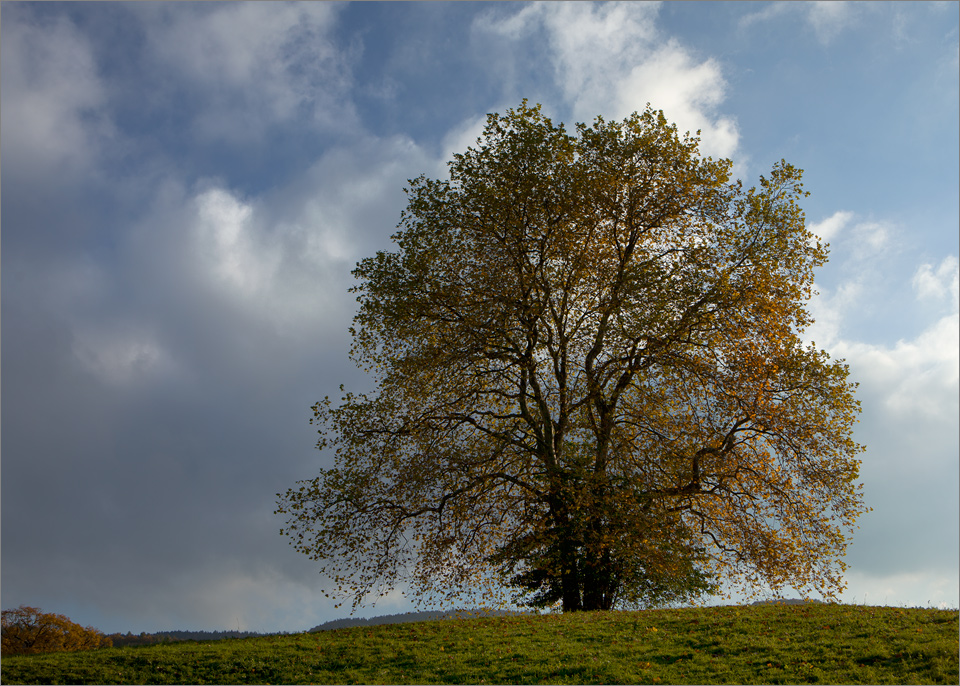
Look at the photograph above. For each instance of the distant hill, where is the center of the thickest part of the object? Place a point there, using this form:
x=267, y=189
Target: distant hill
x=788, y=601
x=129, y=639
x=410, y=617
x=454, y=614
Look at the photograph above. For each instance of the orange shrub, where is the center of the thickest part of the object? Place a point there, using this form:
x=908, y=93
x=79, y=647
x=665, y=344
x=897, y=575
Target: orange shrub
x=27, y=630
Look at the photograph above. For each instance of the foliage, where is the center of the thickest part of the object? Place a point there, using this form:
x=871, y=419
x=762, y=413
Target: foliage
x=797, y=644
x=27, y=630
x=590, y=382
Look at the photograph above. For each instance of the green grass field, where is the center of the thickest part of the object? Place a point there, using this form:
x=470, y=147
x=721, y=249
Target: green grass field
x=766, y=644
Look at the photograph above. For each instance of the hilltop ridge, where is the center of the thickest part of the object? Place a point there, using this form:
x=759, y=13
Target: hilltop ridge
x=407, y=617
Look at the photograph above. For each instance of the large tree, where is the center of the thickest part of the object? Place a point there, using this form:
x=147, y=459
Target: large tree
x=589, y=382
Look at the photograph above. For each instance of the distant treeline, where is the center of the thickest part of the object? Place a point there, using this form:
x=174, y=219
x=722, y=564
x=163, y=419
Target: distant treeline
x=130, y=639
x=143, y=638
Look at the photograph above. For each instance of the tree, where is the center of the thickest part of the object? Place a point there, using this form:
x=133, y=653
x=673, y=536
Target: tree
x=590, y=384
x=28, y=630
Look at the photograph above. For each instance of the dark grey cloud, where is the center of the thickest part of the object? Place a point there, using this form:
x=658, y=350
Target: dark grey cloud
x=162, y=388
x=165, y=336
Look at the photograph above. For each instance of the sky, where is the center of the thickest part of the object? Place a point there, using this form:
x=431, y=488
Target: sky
x=186, y=188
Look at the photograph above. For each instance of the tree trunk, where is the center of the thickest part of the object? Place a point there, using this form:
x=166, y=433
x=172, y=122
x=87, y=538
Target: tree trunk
x=570, y=576
x=598, y=582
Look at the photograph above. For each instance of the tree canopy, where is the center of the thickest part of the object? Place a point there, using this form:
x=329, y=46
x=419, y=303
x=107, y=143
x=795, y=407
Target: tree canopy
x=28, y=630
x=590, y=383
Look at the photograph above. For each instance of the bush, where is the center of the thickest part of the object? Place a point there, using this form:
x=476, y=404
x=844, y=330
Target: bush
x=27, y=630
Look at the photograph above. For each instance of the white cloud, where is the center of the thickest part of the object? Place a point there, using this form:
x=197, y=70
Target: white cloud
x=826, y=19
x=266, y=269
x=907, y=589
x=687, y=92
x=860, y=248
x=936, y=283
x=585, y=36
x=769, y=11
x=238, y=259
x=119, y=357
x=832, y=225
x=257, y=64
x=829, y=310
x=349, y=201
x=458, y=139
x=914, y=378
x=278, y=262
x=871, y=237
x=919, y=377
x=51, y=99
x=610, y=59
x=250, y=599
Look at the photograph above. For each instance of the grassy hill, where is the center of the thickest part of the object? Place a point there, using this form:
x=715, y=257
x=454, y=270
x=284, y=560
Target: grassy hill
x=789, y=644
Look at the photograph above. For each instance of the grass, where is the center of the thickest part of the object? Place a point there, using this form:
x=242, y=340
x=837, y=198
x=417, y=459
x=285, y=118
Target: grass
x=767, y=644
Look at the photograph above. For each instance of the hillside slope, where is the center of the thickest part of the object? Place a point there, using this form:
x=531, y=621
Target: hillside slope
x=722, y=645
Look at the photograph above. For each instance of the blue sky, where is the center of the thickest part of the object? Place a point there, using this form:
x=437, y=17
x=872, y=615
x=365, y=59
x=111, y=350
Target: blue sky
x=186, y=187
